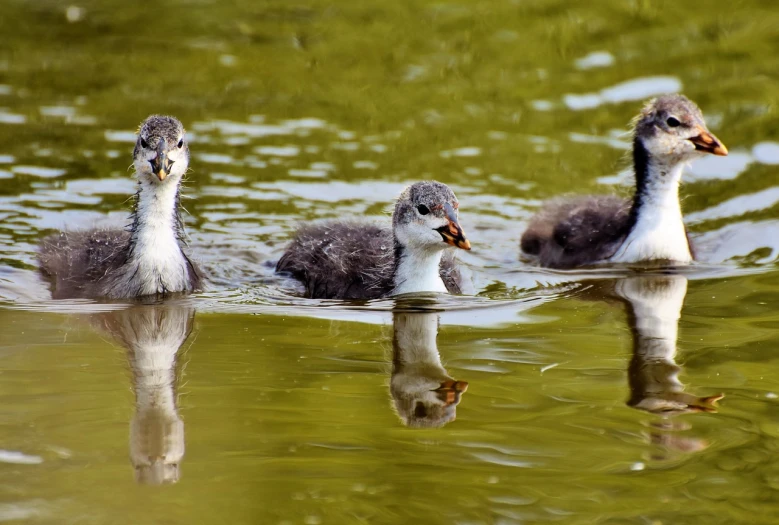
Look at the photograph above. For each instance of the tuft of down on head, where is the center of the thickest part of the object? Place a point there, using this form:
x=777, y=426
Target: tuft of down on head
x=426, y=215
x=161, y=152
x=672, y=127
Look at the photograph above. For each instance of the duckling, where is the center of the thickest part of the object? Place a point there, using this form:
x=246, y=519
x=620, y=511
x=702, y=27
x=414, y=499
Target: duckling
x=347, y=260
x=568, y=233
x=148, y=258
x=423, y=392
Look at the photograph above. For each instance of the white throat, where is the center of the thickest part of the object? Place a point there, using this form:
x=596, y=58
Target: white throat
x=659, y=232
x=157, y=260
x=418, y=270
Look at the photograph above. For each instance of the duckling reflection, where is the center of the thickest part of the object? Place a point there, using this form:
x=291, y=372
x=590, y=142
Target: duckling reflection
x=654, y=308
x=424, y=394
x=153, y=336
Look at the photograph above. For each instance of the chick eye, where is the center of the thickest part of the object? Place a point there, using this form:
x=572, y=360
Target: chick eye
x=673, y=122
x=422, y=209
x=144, y=144
x=181, y=143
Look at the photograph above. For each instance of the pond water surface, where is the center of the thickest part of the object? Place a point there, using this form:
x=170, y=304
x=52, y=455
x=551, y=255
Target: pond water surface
x=601, y=396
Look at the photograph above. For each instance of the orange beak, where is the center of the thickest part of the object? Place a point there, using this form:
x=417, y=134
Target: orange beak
x=452, y=233
x=707, y=142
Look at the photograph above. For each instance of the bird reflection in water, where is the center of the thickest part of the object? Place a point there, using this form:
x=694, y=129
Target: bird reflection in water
x=654, y=304
x=153, y=335
x=424, y=394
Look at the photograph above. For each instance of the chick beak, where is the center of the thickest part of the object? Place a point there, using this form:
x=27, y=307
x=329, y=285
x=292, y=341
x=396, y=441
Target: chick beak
x=707, y=142
x=452, y=233
x=450, y=390
x=161, y=164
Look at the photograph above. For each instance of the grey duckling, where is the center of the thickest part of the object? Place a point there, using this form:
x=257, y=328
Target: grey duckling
x=146, y=259
x=581, y=231
x=348, y=260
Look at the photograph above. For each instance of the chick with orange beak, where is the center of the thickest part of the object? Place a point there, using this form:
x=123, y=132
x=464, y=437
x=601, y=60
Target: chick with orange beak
x=150, y=257
x=346, y=260
x=582, y=231
x=425, y=215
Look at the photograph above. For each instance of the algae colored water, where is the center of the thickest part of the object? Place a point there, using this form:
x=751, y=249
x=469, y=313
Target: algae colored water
x=600, y=396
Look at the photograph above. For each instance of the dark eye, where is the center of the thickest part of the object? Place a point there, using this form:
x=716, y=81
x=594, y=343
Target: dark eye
x=422, y=209
x=673, y=122
x=144, y=144
x=181, y=143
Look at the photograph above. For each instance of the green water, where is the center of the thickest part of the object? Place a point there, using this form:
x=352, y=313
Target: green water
x=590, y=396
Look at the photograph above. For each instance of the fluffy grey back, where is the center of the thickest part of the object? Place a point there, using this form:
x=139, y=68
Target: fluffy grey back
x=341, y=260
x=80, y=263
x=578, y=231
x=348, y=260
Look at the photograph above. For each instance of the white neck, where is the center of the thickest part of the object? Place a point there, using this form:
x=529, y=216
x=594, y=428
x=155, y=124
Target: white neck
x=659, y=232
x=157, y=260
x=418, y=270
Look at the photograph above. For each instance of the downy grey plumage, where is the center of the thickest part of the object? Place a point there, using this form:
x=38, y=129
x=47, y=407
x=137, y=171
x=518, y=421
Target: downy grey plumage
x=348, y=260
x=581, y=231
x=148, y=257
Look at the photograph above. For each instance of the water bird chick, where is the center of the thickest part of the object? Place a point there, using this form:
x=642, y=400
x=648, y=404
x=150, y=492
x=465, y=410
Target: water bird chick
x=582, y=231
x=348, y=260
x=147, y=258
